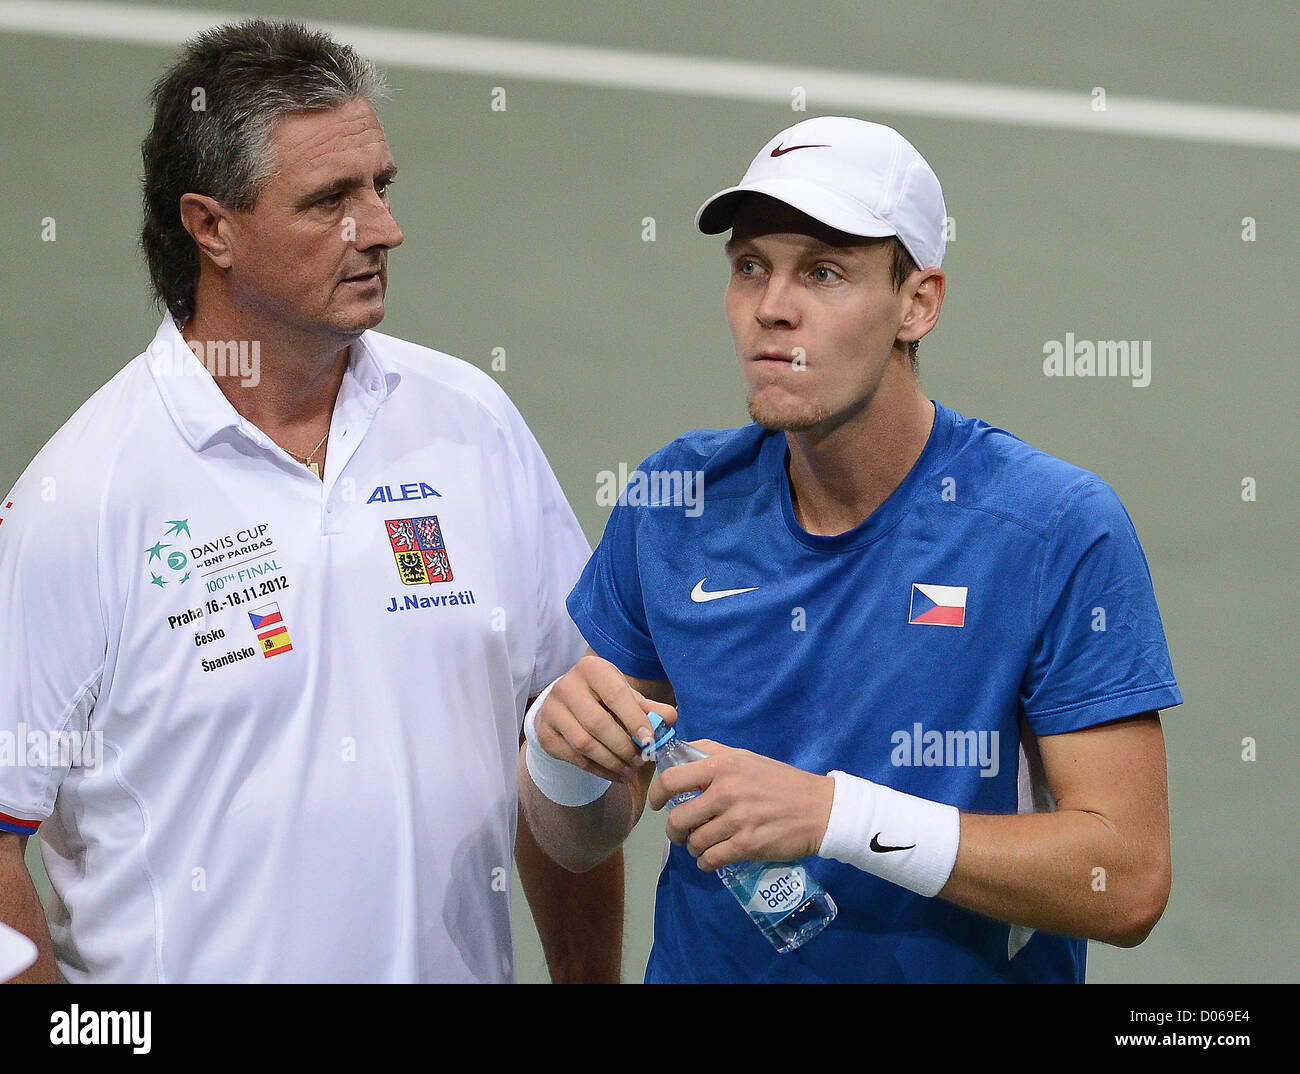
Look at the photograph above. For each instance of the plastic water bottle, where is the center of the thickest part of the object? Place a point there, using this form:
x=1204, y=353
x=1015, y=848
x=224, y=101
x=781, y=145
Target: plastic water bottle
x=782, y=898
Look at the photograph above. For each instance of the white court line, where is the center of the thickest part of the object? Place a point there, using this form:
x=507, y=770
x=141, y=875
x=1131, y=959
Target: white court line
x=699, y=76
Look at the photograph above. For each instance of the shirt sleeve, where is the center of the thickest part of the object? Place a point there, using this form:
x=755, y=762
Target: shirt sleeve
x=1100, y=652
x=53, y=640
x=607, y=603
x=561, y=551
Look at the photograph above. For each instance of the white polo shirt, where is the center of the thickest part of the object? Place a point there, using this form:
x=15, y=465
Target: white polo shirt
x=297, y=703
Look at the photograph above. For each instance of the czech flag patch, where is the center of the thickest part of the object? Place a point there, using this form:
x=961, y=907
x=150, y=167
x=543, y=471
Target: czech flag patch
x=938, y=605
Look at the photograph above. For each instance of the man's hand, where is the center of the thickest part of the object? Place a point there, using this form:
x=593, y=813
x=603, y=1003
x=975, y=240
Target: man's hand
x=594, y=719
x=752, y=808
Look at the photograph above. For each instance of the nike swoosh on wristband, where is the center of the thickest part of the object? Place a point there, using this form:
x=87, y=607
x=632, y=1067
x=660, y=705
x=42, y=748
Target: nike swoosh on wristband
x=779, y=152
x=699, y=595
x=875, y=845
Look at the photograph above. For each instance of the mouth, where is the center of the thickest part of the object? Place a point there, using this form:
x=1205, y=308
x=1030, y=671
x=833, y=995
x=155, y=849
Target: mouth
x=774, y=356
x=364, y=279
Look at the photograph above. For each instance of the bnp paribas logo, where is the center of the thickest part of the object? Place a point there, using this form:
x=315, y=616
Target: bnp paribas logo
x=167, y=561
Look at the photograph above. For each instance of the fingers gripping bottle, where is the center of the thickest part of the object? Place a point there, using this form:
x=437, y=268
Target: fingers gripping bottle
x=782, y=898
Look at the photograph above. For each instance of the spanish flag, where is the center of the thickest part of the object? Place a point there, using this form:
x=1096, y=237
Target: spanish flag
x=275, y=641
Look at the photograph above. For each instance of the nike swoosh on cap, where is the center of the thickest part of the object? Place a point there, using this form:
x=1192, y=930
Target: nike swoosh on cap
x=779, y=152
x=700, y=596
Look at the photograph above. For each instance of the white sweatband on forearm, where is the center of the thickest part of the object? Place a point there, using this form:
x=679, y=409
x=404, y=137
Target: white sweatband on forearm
x=563, y=783
x=907, y=840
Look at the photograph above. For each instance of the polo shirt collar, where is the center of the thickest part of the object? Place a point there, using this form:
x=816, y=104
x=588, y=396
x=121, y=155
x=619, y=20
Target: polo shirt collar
x=202, y=412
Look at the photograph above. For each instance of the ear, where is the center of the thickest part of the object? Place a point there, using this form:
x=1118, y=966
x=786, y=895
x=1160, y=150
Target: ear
x=927, y=290
x=208, y=223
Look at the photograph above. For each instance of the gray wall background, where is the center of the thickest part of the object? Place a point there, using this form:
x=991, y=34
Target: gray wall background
x=524, y=231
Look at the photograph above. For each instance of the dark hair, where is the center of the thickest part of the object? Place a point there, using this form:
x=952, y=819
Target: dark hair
x=215, y=113
x=901, y=266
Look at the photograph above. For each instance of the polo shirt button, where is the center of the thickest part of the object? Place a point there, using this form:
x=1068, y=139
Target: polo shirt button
x=329, y=508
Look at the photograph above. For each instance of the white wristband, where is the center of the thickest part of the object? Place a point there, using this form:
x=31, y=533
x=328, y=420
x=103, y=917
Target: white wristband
x=907, y=840
x=563, y=783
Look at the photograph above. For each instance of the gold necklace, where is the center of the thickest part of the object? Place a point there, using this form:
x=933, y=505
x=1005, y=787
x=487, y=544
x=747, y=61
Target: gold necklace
x=314, y=467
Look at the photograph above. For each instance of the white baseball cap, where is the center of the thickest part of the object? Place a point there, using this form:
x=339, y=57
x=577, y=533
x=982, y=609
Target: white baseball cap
x=857, y=177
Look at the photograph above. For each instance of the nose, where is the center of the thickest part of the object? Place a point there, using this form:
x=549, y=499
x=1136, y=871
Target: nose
x=777, y=308
x=376, y=225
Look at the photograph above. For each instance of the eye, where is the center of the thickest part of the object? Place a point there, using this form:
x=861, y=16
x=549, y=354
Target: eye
x=746, y=266
x=826, y=274
x=383, y=186
x=330, y=201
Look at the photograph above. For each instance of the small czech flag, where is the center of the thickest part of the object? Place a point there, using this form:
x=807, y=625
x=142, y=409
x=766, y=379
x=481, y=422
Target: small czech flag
x=938, y=605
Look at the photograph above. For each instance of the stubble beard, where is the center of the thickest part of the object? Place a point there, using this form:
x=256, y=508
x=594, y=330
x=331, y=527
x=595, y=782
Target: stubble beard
x=803, y=416
x=790, y=419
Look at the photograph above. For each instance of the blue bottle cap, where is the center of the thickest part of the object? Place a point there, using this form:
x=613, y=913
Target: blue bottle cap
x=662, y=732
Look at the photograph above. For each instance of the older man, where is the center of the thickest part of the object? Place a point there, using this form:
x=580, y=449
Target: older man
x=277, y=595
